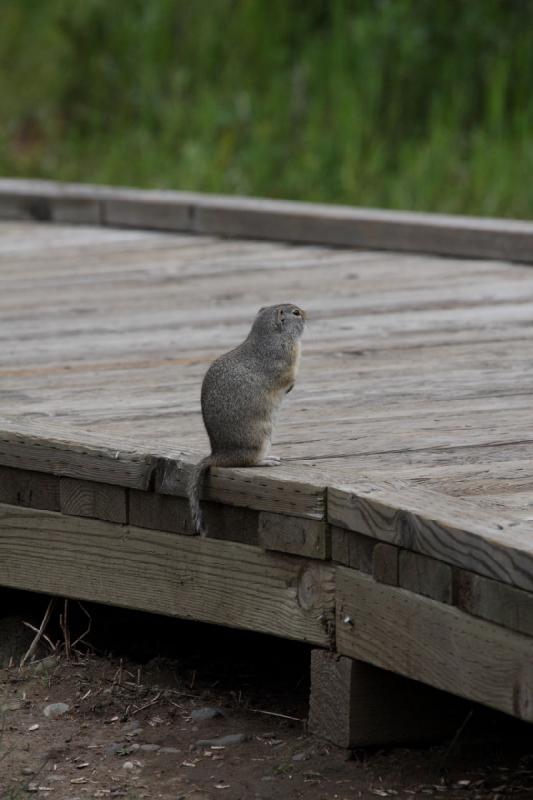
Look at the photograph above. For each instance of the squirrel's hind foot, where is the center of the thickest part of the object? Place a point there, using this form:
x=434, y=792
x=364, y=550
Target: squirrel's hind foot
x=270, y=461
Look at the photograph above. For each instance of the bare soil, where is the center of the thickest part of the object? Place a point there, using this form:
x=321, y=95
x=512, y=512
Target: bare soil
x=130, y=730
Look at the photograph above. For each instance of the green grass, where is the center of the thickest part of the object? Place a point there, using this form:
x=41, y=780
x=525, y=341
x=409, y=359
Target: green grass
x=419, y=104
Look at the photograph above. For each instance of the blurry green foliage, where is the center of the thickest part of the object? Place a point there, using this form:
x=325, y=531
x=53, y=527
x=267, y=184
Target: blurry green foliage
x=422, y=104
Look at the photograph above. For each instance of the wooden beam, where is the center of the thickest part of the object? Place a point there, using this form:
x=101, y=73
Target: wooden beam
x=354, y=704
x=159, y=512
x=385, y=566
x=352, y=549
x=91, y=499
x=47, y=447
x=168, y=513
x=297, y=491
x=434, y=643
x=224, y=583
x=470, y=237
x=297, y=535
x=447, y=528
x=22, y=487
x=494, y=601
x=34, y=446
x=427, y=576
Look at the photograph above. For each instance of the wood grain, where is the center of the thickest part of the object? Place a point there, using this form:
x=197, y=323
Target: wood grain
x=29, y=488
x=434, y=643
x=295, y=535
x=32, y=445
x=494, y=601
x=167, y=513
x=427, y=576
x=352, y=549
x=385, y=563
x=159, y=512
x=203, y=579
x=284, y=489
x=451, y=530
x=91, y=499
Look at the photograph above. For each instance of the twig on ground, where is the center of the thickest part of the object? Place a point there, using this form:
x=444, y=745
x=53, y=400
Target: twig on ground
x=40, y=633
x=147, y=705
x=276, y=714
x=63, y=624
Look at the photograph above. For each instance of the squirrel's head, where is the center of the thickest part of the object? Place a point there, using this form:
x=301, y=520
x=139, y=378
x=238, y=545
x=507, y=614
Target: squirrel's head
x=285, y=318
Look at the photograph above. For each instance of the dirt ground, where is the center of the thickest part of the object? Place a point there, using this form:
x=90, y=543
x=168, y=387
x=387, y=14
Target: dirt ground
x=132, y=729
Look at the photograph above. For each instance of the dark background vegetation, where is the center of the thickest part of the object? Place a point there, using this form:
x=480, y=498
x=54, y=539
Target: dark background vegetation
x=419, y=104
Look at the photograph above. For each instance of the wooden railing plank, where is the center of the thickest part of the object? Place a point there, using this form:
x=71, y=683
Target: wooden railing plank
x=471, y=237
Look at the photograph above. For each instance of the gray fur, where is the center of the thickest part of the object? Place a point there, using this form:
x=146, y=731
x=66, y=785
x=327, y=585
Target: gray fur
x=241, y=393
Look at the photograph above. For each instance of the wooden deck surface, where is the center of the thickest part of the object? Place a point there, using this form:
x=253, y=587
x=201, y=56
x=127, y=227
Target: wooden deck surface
x=403, y=508
x=415, y=368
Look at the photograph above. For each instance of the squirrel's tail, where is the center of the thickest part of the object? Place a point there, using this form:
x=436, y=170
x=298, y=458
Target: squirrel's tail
x=193, y=490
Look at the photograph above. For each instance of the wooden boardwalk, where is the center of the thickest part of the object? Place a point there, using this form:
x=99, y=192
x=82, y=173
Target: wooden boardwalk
x=405, y=498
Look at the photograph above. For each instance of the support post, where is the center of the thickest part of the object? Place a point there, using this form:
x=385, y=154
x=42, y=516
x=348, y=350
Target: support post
x=354, y=704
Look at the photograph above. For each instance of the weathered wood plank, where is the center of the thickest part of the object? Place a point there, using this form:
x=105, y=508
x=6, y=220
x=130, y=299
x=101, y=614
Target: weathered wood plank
x=146, y=210
x=434, y=643
x=494, y=601
x=281, y=489
x=368, y=228
x=352, y=549
x=354, y=704
x=385, y=563
x=91, y=499
x=167, y=513
x=32, y=446
x=232, y=523
x=427, y=576
x=224, y=583
x=278, y=219
x=295, y=535
x=159, y=512
x=449, y=529
x=29, y=488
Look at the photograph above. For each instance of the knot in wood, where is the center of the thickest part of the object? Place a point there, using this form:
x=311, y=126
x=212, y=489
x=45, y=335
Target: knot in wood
x=310, y=587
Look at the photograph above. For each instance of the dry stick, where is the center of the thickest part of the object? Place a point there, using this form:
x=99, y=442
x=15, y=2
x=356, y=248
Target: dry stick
x=51, y=645
x=84, y=634
x=63, y=622
x=40, y=633
x=275, y=714
x=147, y=705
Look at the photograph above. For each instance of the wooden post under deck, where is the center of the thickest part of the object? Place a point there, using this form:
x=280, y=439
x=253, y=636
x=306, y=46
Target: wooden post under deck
x=354, y=704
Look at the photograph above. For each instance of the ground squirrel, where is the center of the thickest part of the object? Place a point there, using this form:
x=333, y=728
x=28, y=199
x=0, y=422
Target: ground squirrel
x=241, y=393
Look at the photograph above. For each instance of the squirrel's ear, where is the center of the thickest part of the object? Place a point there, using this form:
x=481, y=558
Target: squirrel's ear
x=279, y=319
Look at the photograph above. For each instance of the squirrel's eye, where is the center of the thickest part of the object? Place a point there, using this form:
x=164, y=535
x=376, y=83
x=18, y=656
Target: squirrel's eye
x=296, y=313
